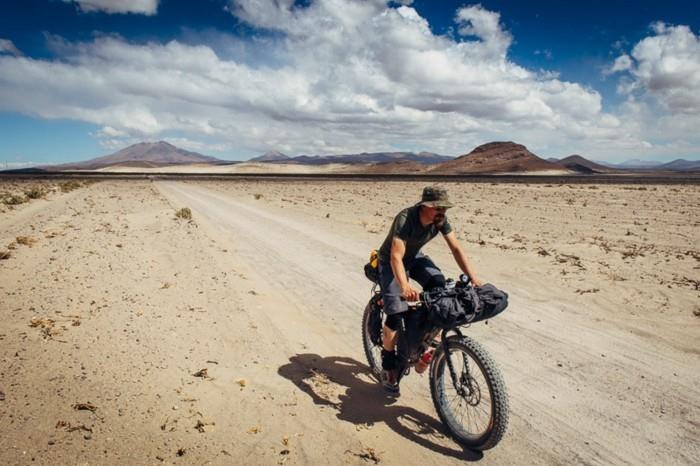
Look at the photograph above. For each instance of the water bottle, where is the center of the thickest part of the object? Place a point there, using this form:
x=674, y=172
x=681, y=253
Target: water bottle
x=424, y=361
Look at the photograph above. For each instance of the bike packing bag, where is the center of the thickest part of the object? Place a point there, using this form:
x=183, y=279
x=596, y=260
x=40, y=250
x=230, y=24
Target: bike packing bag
x=452, y=307
x=492, y=301
x=459, y=306
x=372, y=267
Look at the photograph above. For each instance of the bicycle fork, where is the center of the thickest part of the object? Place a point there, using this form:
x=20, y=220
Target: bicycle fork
x=462, y=385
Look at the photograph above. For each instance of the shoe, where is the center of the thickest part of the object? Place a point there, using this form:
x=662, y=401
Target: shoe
x=389, y=382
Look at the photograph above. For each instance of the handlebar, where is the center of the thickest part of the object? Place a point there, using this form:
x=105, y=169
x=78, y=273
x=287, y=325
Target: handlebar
x=464, y=281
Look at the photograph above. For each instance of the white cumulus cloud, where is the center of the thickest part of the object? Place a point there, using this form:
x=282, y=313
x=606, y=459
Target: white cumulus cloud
x=665, y=66
x=336, y=76
x=145, y=7
x=7, y=46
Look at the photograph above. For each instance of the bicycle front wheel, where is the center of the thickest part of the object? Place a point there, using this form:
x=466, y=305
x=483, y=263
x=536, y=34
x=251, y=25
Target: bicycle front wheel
x=470, y=397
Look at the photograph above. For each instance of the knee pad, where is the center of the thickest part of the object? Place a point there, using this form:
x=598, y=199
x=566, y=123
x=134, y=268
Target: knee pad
x=388, y=360
x=393, y=321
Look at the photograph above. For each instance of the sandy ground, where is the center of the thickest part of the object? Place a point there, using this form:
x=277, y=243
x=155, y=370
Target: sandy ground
x=110, y=304
x=245, y=167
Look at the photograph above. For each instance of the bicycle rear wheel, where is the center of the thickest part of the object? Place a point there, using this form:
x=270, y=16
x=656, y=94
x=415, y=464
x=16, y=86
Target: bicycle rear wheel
x=372, y=336
x=474, y=407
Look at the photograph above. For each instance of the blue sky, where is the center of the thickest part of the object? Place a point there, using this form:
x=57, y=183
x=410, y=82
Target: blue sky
x=235, y=78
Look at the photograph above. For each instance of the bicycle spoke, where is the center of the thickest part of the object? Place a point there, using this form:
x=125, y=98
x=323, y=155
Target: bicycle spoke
x=473, y=418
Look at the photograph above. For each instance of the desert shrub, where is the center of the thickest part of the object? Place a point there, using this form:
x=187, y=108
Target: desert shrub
x=184, y=213
x=257, y=196
x=35, y=193
x=4, y=255
x=14, y=199
x=25, y=240
x=68, y=186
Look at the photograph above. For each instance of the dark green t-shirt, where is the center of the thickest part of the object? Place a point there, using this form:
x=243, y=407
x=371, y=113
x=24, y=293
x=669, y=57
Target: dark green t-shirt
x=407, y=226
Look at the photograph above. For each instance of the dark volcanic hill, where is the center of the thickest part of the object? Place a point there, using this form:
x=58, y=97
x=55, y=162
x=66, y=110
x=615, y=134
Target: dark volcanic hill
x=144, y=154
x=496, y=157
x=582, y=165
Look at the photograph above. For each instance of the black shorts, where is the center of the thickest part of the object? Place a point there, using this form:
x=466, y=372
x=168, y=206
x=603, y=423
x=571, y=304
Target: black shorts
x=420, y=268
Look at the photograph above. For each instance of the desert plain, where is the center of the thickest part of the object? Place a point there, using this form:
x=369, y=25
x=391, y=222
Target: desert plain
x=130, y=335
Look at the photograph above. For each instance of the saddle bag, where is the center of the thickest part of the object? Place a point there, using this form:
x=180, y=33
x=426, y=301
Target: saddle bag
x=372, y=267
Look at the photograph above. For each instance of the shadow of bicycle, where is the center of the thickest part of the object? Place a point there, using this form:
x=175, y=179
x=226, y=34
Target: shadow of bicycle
x=364, y=402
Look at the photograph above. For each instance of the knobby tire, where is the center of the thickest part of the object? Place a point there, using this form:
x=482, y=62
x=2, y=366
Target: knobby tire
x=440, y=378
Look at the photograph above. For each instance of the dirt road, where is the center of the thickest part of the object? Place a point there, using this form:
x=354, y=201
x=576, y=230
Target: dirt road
x=589, y=410
x=268, y=299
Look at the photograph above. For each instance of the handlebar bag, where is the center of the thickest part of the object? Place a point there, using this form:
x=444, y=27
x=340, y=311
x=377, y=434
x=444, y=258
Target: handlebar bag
x=459, y=306
x=450, y=308
x=492, y=301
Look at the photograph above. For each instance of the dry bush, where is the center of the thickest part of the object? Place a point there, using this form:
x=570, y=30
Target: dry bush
x=635, y=250
x=25, y=240
x=14, y=199
x=35, y=193
x=257, y=196
x=4, y=255
x=185, y=213
x=69, y=186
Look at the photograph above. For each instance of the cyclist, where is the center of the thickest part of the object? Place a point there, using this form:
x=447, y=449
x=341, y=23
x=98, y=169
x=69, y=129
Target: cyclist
x=400, y=257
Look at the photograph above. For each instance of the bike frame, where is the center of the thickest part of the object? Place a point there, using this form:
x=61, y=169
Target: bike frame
x=404, y=357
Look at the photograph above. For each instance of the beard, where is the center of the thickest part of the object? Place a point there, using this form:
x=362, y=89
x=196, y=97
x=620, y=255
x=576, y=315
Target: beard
x=439, y=220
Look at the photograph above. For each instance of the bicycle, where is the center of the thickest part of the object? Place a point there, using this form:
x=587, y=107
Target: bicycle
x=466, y=386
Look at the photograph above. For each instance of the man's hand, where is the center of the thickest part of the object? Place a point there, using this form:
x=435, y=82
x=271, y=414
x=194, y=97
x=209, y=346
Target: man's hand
x=409, y=294
x=461, y=258
x=476, y=282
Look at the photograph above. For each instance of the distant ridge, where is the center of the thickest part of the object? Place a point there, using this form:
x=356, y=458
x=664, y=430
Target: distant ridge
x=425, y=158
x=582, y=165
x=498, y=157
x=272, y=156
x=654, y=165
x=490, y=158
x=636, y=164
x=681, y=165
x=396, y=167
x=143, y=154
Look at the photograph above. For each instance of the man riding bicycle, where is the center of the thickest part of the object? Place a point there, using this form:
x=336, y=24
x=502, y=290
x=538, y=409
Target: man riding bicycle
x=400, y=257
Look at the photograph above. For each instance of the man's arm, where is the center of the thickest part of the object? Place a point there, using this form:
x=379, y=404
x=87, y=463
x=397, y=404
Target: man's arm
x=461, y=258
x=398, y=249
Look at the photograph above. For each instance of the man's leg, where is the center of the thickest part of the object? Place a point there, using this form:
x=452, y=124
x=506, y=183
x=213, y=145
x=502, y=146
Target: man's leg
x=389, y=336
x=393, y=307
x=425, y=272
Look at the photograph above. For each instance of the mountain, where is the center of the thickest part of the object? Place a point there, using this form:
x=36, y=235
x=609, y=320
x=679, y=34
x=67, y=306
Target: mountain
x=583, y=165
x=681, y=165
x=636, y=164
x=143, y=154
x=497, y=157
x=272, y=156
x=425, y=158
